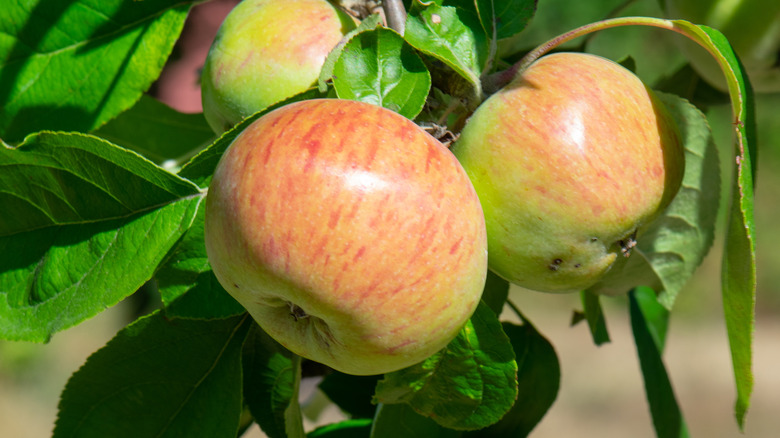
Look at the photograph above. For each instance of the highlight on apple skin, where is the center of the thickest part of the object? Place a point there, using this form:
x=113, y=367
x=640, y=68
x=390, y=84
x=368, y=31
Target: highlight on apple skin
x=570, y=160
x=352, y=236
x=264, y=52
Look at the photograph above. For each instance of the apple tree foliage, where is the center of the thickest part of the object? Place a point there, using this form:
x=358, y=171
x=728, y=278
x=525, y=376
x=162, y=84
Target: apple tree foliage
x=92, y=210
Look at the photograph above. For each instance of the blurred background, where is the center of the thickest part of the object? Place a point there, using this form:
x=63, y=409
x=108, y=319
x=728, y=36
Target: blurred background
x=601, y=392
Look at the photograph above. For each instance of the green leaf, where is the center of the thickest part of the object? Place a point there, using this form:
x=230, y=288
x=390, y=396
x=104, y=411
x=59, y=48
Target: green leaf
x=400, y=420
x=379, y=68
x=538, y=377
x=272, y=376
x=188, y=287
x=90, y=224
x=73, y=65
x=352, y=394
x=452, y=35
x=674, y=245
x=468, y=385
x=326, y=73
x=356, y=428
x=595, y=317
x=495, y=293
x=159, y=378
x=157, y=131
x=56, y=179
x=646, y=315
x=739, y=260
x=201, y=167
x=505, y=17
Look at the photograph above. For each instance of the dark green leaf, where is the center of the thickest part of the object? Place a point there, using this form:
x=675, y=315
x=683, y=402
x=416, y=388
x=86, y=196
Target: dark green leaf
x=159, y=378
x=188, y=287
x=358, y=428
x=667, y=417
x=352, y=394
x=201, y=167
x=538, y=378
x=379, y=68
x=326, y=73
x=495, y=293
x=468, y=385
x=595, y=317
x=73, y=65
x=91, y=223
x=674, y=245
x=158, y=132
x=452, y=35
x=272, y=376
x=508, y=17
x=400, y=420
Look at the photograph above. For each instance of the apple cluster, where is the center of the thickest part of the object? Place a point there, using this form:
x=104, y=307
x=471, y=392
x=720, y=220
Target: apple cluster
x=356, y=239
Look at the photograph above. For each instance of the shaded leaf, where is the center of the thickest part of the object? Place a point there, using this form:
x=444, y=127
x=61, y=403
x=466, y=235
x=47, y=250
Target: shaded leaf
x=157, y=131
x=159, y=378
x=353, y=394
x=505, y=17
x=75, y=64
x=272, y=376
x=400, y=420
x=495, y=293
x=468, y=385
x=379, y=68
x=595, y=317
x=646, y=315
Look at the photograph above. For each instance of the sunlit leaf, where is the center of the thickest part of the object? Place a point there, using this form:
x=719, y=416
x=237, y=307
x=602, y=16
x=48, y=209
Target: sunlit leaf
x=73, y=65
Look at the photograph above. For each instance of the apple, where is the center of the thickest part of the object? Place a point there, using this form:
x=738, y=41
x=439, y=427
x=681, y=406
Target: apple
x=570, y=160
x=264, y=52
x=351, y=236
x=751, y=26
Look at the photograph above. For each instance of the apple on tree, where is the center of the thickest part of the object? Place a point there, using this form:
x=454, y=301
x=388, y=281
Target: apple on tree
x=352, y=236
x=264, y=52
x=570, y=160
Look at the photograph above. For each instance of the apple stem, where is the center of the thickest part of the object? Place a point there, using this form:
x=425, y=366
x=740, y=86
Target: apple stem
x=517, y=311
x=395, y=14
x=497, y=80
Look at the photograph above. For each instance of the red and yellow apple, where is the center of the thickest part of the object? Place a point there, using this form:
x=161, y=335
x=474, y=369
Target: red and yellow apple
x=264, y=52
x=352, y=236
x=570, y=160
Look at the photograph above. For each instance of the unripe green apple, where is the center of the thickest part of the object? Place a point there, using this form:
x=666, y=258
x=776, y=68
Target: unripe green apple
x=264, y=52
x=570, y=161
x=751, y=26
x=352, y=236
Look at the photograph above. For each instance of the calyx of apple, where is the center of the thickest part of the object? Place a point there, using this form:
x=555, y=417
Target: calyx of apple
x=352, y=236
x=264, y=52
x=570, y=160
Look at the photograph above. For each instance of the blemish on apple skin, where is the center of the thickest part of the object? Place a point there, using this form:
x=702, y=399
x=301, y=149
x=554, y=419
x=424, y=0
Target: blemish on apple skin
x=296, y=312
x=555, y=265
